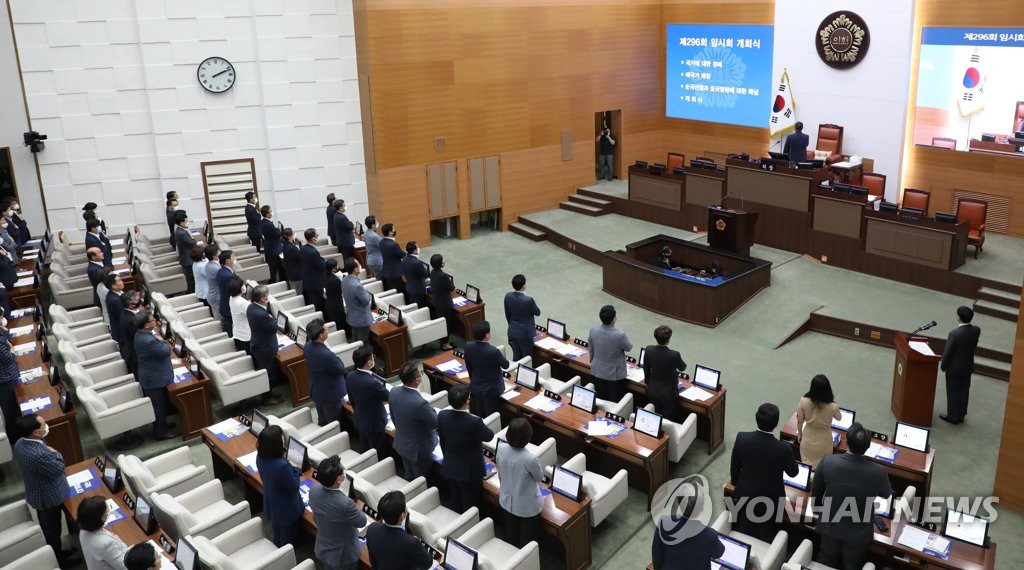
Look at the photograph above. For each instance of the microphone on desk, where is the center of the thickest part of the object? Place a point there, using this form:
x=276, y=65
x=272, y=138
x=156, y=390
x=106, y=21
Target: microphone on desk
x=923, y=327
x=720, y=204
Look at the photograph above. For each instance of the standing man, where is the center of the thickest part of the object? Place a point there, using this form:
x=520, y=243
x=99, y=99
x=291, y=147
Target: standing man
x=606, y=160
x=608, y=348
x=844, y=488
x=758, y=462
x=155, y=372
x=415, y=272
x=796, y=144
x=326, y=374
x=313, y=271
x=132, y=301
x=292, y=260
x=661, y=368
x=520, y=309
x=8, y=277
x=272, y=246
x=343, y=228
x=958, y=364
x=330, y=219
x=172, y=207
x=358, y=314
x=225, y=274
x=185, y=244
x=337, y=518
x=93, y=238
x=368, y=393
x=96, y=264
x=461, y=435
x=390, y=545
x=115, y=286
x=391, y=257
x=484, y=362
x=46, y=485
x=263, y=343
x=415, y=423
x=441, y=287
x=212, y=254
x=252, y=219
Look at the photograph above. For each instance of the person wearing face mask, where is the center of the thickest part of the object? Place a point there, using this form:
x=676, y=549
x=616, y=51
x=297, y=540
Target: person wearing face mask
x=372, y=240
x=115, y=286
x=326, y=374
x=313, y=270
x=358, y=314
x=102, y=549
x=155, y=372
x=391, y=255
x=89, y=212
x=416, y=273
x=172, y=207
x=334, y=308
x=252, y=219
x=8, y=379
x=343, y=230
x=239, y=321
x=46, y=486
x=389, y=544
x=185, y=244
x=272, y=246
x=6, y=239
x=8, y=277
x=93, y=238
x=132, y=302
x=16, y=227
x=441, y=286
x=292, y=260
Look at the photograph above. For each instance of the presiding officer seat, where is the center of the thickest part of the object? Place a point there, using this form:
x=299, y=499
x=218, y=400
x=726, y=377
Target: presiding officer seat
x=830, y=141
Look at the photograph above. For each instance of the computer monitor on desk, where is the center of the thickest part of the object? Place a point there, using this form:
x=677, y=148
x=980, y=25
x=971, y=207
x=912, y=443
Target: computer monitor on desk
x=945, y=217
x=458, y=556
x=779, y=156
x=556, y=329
x=527, y=377
x=296, y=453
x=888, y=207
x=971, y=529
x=911, y=214
x=735, y=557
x=859, y=190
x=911, y=437
x=583, y=399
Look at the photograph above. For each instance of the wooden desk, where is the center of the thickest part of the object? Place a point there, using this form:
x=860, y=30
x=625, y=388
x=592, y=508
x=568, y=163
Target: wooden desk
x=678, y=200
x=644, y=458
x=847, y=173
x=785, y=187
x=910, y=467
x=194, y=403
x=392, y=343
x=977, y=145
x=924, y=242
x=292, y=361
x=838, y=213
x=463, y=317
x=710, y=413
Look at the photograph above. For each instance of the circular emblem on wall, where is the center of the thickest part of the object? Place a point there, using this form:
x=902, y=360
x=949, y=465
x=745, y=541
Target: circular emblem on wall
x=842, y=40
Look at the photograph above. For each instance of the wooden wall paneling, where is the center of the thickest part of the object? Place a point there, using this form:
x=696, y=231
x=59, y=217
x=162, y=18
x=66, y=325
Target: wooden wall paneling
x=399, y=196
x=492, y=182
x=475, y=166
x=1009, y=484
x=451, y=188
x=435, y=190
x=466, y=219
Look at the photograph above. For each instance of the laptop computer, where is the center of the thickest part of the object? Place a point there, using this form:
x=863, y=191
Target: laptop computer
x=802, y=480
x=845, y=421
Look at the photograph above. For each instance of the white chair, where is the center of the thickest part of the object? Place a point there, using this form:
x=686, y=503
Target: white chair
x=303, y=425
x=142, y=240
x=292, y=306
x=605, y=493
x=545, y=452
x=306, y=564
x=243, y=548
x=680, y=436
x=236, y=380
x=434, y=523
x=496, y=554
x=296, y=322
x=623, y=407
x=179, y=303
x=100, y=378
x=204, y=333
x=75, y=318
x=41, y=558
x=203, y=511
x=376, y=480
x=337, y=341
x=218, y=350
x=396, y=299
x=192, y=317
x=376, y=287
x=340, y=444
x=172, y=473
x=81, y=336
x=422, y=329
x=20, y=535
x=438, y=401
x=254, y=268
x=117, y=411
x=167, y=280
x=156, y=259
x=555, y=385
x=280, y=288
x=802, y=558
x=90, y=355
x=763, y=555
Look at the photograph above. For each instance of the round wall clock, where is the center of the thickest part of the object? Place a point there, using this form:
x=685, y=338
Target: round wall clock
x=216, y=74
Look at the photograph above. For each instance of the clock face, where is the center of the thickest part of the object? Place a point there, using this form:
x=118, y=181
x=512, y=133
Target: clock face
x=216, y=74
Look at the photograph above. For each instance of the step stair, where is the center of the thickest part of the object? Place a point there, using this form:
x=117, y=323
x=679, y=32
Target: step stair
x=583, y=208
x=527, y=231
x=591, y=201
x=999, y=296
x=992, y=367
x=995, y=309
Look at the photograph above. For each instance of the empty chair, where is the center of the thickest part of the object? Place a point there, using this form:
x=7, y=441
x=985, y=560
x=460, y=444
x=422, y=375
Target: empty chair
x=675, y=160
x=555, y=385
x=802, y=559
x=142, y=240
x=296, y=322
x=74, y=275
x=434, y=523
x=117, y=411
x=292, y=306
x=913, y=198
x=156, y=259
x=497, y=554
x=20, y=535
x=422, y=329
x=829, y=143
x=100, y=378
x=438, y=401
x=340, y=444
x=337, y=341
x=254, y=268
x=81, y=336
x=191, y=317
x=172, y=473
x=279, y=288
x=41, y=558
x=605, y=493
x=89, y=355
x=875, y=183
x=376, y=288
x=376, y=480
x=396, y=299
x=302, y=424
x=974, y=213
x=203, y=334
x=623, y=407
x=202, y=511
x=546, y=452
x=179, y=303
x=167, y=280
x=75, y=318
x=218, y=350
x=762, y=555
x=236, y=380
x=243, y=548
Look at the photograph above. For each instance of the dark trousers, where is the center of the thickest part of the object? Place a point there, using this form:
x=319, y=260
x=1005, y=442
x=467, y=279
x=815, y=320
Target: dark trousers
x=158, y=397
x=521, y=347
x=484, y=405
x=5, y=302
x=190, y=278
x=225, y=322
x=419, y=299
x=395, y=283
x=243, y=345
x=611, y=390
x=284, y=533
x=665, y=405
x=314, y=298
x=418, y=467
x=257, y=241
x=373, y=440
x=276, y=268
x=520, y=530
x=765, y=531
x=346, y=251
x=49, y=521
x=328, y=413
x=958, y=391
x=852, y=551
x=465, y=494
x=360, y=333
x=9, y=407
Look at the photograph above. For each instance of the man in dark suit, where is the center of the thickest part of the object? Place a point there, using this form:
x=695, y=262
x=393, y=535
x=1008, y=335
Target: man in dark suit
x=263, y=340
x=461, y=435
x=681, y=543
x=367, y=393
x=326, y=374
x=17, y=227
x=95, y=256
x=93, y=238
x=155, y=372
x=844, y=487
x=343, y=228
x=313, y=270
x=415, y=272
x=337, y=518
x=958, y=364
x=415, y=423
x=520, y=309
x=172, y=207
x=46, y=485
x=391, y=255
x=132, y=301
x=272, y=246
x=252, y=219
x=330, y=219
x=661, y=368
x=292, y=260
x=441, y=287
x=389, y=545
x=115, y=286
x=186, y=242
x=796, y=144
x=224, y=276
x=758, y=462
x=485, y=363
x=8, y=277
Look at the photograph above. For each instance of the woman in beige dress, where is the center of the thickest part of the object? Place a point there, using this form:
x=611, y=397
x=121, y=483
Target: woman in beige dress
x=814, y=415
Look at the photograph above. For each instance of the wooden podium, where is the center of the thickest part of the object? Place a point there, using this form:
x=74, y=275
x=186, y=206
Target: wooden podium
x=731, y=230
x=913, y=383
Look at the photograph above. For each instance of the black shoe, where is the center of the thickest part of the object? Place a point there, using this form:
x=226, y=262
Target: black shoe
x=946, y=418
x=273, y=400
x=171, y=434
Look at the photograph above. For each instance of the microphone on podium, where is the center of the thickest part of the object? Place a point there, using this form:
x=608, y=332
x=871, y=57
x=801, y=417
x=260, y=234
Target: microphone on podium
x=923, y=327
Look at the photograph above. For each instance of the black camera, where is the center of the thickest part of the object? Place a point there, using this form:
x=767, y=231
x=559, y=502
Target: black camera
x=34, y=141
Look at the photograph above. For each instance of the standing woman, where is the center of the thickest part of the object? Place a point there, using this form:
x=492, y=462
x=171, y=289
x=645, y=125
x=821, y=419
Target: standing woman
x=441, y=287
x=814, y=415
x=102, y=549
x=239, y=323
x=372, y=240
x=199, y=263
x=282, y=504
x=519, y=471
x=292, y=260
x=334, y=307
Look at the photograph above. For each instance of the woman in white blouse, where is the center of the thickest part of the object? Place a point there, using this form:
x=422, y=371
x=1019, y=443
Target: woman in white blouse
x=239, y=304
x=199, y=263
x=102, y=549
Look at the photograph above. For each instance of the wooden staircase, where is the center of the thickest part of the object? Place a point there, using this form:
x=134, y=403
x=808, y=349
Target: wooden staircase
x=586, y=205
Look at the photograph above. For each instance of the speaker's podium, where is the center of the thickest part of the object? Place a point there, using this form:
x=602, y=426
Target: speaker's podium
x=731, y=230
x=913, y=380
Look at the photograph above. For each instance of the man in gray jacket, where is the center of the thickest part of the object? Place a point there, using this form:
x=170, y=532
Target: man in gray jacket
x=357, y=302
x=608, y=348
x=415, y=423
x=337, y=517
